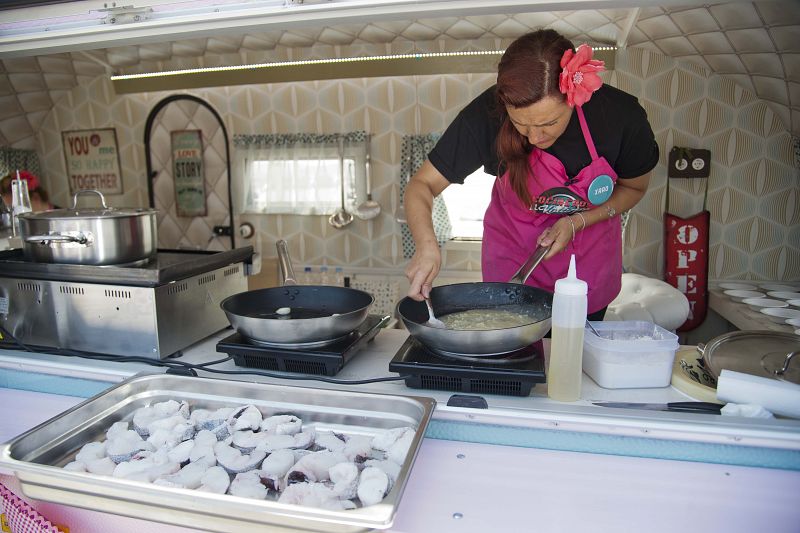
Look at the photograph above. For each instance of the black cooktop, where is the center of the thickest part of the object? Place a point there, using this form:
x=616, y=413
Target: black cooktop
x=512, y=374
x=166, y=266
x=325, y=360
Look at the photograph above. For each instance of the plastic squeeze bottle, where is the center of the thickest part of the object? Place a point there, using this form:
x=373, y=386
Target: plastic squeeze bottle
x=566, y=344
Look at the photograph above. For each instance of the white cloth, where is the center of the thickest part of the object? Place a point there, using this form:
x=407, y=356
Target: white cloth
x=748, y=410
x=779, y=397
x=649, y=299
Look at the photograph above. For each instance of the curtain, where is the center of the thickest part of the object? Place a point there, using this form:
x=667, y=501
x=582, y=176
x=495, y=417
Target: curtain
x=12, y=159
x=414, y=151
x=300, y=173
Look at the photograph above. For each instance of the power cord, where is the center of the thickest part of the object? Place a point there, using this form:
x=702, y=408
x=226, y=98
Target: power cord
x=182, y=368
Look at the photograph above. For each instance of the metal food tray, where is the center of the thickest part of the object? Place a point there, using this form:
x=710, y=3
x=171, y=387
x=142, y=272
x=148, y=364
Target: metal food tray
x=36, y=457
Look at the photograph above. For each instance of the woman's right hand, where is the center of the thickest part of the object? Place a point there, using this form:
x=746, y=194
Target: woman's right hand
x=423, y=187
x=422, y=270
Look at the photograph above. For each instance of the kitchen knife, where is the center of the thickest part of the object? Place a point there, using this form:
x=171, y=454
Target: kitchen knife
x=684, y=407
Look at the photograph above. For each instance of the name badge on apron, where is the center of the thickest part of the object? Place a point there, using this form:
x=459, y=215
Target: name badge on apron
x=600, y=189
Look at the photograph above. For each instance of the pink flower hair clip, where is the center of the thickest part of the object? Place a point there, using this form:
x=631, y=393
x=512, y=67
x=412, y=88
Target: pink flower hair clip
x=579, y=75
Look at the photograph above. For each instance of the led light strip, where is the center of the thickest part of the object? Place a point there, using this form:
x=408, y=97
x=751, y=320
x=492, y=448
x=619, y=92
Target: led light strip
x=257, y=66
x=302, y=63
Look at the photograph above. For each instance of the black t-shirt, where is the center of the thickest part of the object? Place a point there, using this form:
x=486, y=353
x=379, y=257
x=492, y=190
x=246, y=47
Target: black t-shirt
x=618, y=124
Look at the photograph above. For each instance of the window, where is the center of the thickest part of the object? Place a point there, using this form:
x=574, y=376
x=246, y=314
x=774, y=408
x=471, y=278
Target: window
x=303, y=179
x=467, y=203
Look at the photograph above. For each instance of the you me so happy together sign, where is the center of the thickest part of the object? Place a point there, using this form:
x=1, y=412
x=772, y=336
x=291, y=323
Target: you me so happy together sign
x=92, y=160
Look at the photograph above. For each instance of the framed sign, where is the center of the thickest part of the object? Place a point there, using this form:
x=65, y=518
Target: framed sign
x=187, y=171
x=92, y=160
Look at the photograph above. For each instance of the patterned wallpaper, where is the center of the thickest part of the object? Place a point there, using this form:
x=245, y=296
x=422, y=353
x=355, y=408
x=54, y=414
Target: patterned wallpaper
x=754, y=188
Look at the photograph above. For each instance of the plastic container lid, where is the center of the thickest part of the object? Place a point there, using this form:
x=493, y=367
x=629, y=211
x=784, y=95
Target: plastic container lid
x=571, y=284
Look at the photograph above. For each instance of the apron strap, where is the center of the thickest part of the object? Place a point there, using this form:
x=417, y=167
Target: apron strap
x=586, y=135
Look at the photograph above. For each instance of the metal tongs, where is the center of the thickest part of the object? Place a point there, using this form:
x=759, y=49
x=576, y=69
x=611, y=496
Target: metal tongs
x=533, y=261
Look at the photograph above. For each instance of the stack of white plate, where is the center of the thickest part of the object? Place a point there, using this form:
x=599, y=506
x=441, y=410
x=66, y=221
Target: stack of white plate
x=739, y=295
x=757, y=304
x=780, y=314
x=784, y=295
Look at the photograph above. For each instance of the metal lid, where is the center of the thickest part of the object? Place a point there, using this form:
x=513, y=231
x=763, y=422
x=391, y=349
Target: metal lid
x=760, y=353
x=88, y=212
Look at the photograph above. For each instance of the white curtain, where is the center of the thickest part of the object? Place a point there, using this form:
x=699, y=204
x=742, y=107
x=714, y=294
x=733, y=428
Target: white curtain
x=301, y=173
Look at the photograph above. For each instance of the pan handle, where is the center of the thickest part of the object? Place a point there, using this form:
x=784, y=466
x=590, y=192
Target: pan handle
x=285, y=263
x=533, y=261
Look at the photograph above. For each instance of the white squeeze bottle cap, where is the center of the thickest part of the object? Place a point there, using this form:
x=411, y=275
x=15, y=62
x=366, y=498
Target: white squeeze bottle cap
x=571, y=284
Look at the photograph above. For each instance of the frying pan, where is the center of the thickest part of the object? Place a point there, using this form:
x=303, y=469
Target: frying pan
x=316, y=314
x=457, y=297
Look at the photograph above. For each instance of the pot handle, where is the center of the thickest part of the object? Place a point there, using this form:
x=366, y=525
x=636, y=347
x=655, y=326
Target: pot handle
x=83, y=191
x=533, y=261
x=57, y=237
x=285, y=263
x=701, y=348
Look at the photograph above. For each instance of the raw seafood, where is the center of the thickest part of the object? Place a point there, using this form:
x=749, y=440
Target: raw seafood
x=372, y=486
x=248, y=484
x=243, y=452
x=234, y=461
x=282, y=424
x=215, y=480
x=247, y=417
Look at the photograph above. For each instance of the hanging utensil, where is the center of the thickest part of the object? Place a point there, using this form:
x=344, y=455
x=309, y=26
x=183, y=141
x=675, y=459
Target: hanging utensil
x=341, y=217
x=369, y=209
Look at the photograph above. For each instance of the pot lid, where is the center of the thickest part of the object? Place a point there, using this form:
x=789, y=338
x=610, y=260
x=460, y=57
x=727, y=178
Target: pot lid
x=84, y=213
x=87, y=213
x=759, y=353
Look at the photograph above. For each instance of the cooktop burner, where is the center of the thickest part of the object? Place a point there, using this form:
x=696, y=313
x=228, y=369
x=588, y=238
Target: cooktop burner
x=166, y=266
x=324, y=360
x=512, y=374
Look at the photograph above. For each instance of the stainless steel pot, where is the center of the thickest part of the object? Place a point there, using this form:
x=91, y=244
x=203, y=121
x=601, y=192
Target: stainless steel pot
x=89, y=236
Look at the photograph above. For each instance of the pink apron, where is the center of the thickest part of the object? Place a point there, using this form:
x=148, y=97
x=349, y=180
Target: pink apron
x=510, y=229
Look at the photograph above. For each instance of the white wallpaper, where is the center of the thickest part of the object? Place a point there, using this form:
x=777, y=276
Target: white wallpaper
x=754, y=190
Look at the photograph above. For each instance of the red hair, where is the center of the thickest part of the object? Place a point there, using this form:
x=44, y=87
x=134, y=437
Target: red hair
x=528, y=71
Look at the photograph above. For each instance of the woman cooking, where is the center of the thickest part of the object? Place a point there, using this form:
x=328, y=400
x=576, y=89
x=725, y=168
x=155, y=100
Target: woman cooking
x=571, y=154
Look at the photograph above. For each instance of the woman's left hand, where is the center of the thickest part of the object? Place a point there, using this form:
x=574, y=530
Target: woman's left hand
x=557, y=236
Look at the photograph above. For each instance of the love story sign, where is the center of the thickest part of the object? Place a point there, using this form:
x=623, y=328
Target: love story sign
x=188, y=173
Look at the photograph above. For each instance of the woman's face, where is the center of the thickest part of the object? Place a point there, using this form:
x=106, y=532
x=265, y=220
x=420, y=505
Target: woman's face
x=543, y=122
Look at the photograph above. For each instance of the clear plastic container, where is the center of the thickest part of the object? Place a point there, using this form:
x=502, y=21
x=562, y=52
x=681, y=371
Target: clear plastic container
x=629, y=354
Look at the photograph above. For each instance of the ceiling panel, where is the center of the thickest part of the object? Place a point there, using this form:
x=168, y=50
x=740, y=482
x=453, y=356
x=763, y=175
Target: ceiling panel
x=757, y=44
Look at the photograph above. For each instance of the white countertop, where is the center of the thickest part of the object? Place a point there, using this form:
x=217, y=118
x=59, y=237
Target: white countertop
x=468, y=487
x=534, y=411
